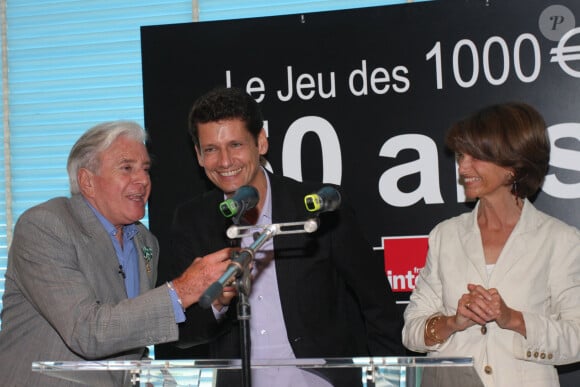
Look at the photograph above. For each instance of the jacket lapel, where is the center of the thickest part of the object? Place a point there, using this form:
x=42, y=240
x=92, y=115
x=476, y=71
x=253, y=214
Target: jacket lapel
x=99, y=246
x=145, y=257
x=470, y=239
x=515, y=248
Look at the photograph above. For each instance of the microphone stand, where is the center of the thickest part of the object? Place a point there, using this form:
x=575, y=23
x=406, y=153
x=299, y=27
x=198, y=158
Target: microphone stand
x=239, y=271
x=244, y=309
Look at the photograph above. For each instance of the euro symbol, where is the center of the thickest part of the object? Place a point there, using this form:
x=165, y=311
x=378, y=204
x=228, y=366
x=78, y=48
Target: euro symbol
x=563, y=54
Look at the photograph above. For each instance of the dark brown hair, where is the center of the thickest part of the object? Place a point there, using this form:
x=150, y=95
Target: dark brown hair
x=510, y=135
x=223, y=104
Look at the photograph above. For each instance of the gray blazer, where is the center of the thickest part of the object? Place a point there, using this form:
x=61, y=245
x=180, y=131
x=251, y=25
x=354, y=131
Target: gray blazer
x=65, y=298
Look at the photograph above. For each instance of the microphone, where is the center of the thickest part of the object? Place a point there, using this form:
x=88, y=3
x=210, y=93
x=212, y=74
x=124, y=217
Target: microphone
x=326, y=199
x=240, y=260
x=245, y=198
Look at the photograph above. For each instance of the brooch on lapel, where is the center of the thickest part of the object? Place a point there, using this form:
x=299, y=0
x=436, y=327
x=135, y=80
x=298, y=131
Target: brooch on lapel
x=148, y=256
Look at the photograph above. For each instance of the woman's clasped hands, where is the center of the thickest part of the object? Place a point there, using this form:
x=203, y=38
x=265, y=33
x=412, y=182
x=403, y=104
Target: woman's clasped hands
x=481, y=306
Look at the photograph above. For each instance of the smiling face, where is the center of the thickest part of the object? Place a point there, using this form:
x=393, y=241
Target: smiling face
x=120, y=188
x=230, y=155
x=483, y=179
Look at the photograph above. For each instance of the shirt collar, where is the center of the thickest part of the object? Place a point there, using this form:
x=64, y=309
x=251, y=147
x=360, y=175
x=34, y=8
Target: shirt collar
x=266, y=215
x=129, y=230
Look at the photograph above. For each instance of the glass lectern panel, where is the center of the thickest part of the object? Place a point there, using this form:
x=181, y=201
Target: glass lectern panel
x=374, y=371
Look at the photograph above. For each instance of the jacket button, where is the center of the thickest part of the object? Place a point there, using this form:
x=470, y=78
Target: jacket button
x=550, y=356
x=487, y=369
x=542, y=355
x=483, y=330
x=529, y=354
x=536, y=354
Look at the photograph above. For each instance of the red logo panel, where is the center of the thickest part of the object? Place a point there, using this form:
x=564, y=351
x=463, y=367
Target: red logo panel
x=404, y=257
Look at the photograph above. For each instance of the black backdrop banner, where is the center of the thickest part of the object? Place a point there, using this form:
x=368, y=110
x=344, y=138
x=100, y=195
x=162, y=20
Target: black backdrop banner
x=363, y=98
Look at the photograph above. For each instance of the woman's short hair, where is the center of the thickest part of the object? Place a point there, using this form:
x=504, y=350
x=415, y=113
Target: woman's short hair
x=85, y=152
x=510, y=135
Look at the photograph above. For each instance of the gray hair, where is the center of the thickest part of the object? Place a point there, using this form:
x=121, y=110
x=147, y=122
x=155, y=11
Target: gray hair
x=85, y=152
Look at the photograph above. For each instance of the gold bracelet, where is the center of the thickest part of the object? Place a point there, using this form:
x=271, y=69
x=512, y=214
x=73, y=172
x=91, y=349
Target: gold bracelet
x=430, y=329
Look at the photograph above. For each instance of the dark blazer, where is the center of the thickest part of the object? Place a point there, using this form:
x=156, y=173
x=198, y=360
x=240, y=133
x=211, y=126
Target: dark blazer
x=335, y=297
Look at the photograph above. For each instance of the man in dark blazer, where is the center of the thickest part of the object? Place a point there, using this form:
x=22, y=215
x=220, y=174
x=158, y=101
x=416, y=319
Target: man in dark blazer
x=313, y=295
x=80, y=283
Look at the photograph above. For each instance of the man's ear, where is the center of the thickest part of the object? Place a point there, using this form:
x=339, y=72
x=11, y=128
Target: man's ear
x=86, y=182
x=262, y=142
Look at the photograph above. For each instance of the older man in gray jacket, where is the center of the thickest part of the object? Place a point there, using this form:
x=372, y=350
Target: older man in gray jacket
x=82, y=270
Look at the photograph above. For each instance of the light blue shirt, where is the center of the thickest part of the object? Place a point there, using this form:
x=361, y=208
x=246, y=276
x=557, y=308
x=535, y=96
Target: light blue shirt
x=129, y=261
x=127, y=255
x=267, y=327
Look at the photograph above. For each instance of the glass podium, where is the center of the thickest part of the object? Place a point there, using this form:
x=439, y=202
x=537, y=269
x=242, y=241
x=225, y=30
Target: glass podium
x=374, y=371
